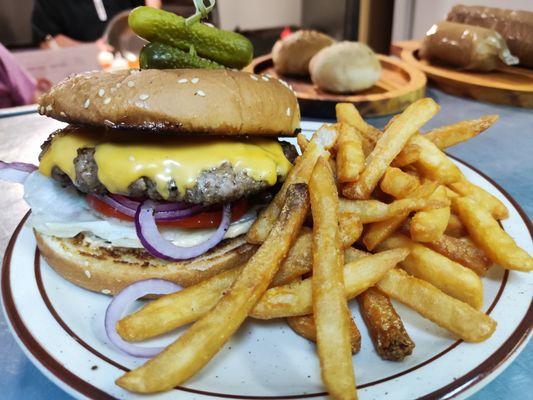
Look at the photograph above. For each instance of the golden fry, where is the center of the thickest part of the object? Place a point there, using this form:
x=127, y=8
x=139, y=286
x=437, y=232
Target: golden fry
x=391, y=340
x=490, y=237
x=304, y=325
x=187, y=355
x=482, y=197
x=299, y=260
x=447, y=275
x=330, y=309
x=350, y=156
x=322, y=140
x=350, y=229
x=457, y=317
x=450, y=135
x=409, y=155
x=455, y=227
x=427, y=226
x=296, y=297
x=398, y=183
x=462, y=251
x=433, y=163
x=302, y=142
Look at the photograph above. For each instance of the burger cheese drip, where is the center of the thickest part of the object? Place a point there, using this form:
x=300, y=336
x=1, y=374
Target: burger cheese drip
x=121, y=162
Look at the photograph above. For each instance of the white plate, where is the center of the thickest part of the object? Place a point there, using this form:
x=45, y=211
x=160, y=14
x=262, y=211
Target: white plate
x=60, y=328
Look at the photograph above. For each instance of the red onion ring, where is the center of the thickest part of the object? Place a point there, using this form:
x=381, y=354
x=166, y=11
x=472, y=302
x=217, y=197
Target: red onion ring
x=158, y=246
x=120, y=304
x=16, y=172
x=163, y=206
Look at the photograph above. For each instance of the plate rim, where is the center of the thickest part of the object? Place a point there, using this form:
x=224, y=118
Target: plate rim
x=486, y=371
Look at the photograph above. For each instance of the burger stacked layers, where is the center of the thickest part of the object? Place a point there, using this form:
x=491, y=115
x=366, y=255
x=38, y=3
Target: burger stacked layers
x=159, y=174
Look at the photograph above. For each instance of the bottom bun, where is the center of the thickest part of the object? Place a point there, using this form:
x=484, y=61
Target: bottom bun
x=109, y=269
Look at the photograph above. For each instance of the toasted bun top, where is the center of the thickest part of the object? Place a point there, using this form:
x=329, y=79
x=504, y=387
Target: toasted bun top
x=185, y=101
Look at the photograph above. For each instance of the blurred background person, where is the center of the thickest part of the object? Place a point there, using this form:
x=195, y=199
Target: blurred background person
x=63, y=23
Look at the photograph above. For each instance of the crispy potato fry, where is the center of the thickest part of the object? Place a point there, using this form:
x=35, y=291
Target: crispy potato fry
x=188, y=305
x=302, y=142
x=350, y=229
x=304, y=325
x=398, y=183
x=187, y=355
x=409, y=155
x=451, y=135
x=391, y=340
x=433, y=163
x=455, y=227
x=482, y=197
x=296, y=297
x=350, y=157
x=462, y=251
x=447, y=275
x=348, y=114
x=427, y=226
x=322, y=140
x=379, y=231
x=489, y=236
x=373, y=210
x=330, y=309
x=389, y=146
x=457, y=317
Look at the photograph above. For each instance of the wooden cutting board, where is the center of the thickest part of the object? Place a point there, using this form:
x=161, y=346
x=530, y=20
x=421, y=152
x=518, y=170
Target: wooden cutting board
x=508, y=85
x=399, y=85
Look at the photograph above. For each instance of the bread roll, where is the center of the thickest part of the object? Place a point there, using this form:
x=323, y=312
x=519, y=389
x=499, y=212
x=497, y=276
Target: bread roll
x=291, y=55
x=345, y=67
x=184, y=101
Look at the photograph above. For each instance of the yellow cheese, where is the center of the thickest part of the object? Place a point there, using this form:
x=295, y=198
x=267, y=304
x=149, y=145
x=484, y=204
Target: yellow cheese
x=121, y=161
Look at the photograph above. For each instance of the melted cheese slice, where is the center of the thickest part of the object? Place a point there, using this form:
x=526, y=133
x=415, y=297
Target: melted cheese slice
x=121, y=160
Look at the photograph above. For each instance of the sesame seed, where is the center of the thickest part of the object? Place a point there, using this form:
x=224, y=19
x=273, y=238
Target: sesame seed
x=101, y=92
x=107, y=100
x=86, y=104
x=195, y=80
x=255, y=78
x=117, y=85
x=144, y=96
x=62, y=113
x=88, y=274
x=199, y=93
x=131, y=84
x=132, y=158
x=265, y=78
x=183, y=80
x=41, y=110
x=288, y=111
x=106, y=291
x=49, y=108
x=113, y=90
x=140, y=104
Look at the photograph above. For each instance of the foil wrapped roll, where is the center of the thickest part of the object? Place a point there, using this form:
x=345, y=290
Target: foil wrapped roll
x=516, y=27
x=466, y=47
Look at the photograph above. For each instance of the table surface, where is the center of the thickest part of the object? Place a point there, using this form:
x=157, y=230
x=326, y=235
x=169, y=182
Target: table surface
x=504, y=153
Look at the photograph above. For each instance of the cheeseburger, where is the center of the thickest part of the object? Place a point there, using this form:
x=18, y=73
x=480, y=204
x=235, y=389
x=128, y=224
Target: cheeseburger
x=159, y=173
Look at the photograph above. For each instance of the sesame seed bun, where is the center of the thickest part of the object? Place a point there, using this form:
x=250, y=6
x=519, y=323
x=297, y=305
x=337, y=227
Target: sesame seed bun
x=185, y=101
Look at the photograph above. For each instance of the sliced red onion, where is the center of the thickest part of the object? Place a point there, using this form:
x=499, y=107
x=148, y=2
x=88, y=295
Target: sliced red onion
x=169, y=213
x=159, y=247
x=16, y=172
x=122, y=301
x=160, y=206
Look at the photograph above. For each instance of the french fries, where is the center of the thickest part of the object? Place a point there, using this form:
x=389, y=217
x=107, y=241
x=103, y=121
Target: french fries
x=450, y=135
x=429, y=225
x=489, y=236
x=302, y=142
x=348, y=114
x=451, y=314
x=391, y=340
x=398, y=183
x=296, y=297
x=374, y=210
x=304, y=326
x=447, y=275
x=409, y=155
x=350, y=156
x=205, y=337
x=330, y=309
x=350, y=228
x=322, y=140
x=433, y=163
x=389, y=146
x=455, y=227
x=482, y=197
x=462, y=251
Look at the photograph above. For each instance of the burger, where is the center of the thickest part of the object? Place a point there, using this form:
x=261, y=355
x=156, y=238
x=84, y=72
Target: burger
x=159, y=174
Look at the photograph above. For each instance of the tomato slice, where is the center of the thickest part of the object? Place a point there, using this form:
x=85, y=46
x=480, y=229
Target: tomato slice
x=206, y=219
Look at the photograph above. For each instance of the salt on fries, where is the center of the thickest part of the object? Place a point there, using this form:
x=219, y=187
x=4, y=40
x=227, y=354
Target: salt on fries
x=433, y=234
